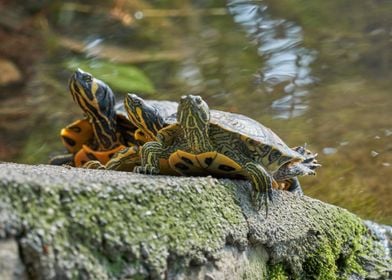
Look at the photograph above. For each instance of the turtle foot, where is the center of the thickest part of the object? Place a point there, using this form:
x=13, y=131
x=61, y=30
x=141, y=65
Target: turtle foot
x=93, y=164
x=311, y=166
x=147, y=169
x=310, y=160
x=260, y=198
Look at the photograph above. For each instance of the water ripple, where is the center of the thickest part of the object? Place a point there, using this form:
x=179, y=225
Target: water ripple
x=286, y=63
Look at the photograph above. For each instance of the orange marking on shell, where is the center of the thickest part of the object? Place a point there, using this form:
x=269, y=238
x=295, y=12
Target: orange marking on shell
x=166, y=169
x=204, y=164
x=79, y=136
x=86, y=154
x=188, y=161
x=221, y=164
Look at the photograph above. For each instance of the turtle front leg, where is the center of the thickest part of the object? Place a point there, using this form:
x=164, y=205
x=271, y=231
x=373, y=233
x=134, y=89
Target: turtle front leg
x=262, y=184
x=124, y=160
x=150, y=154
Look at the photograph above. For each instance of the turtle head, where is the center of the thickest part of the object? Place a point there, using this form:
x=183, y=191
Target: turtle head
x=97, y=101
x=193, y=112
x=145, y=117
x=193, y=116
x=92, y=95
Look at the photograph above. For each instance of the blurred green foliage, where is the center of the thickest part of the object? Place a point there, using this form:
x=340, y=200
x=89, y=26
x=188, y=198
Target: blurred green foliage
x=120, y=77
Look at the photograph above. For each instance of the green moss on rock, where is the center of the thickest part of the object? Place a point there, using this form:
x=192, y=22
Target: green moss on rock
x=277, y=272
x=337, y=245
x=75, y=223
x=110, y=228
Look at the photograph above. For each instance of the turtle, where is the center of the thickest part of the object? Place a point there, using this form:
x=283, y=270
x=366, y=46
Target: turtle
x=106, y=132
x=149, y=116
x=228, y=144
x=105, y=129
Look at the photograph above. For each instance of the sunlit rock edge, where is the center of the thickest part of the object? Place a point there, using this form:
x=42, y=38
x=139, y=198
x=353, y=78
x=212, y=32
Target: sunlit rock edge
x=75, y=223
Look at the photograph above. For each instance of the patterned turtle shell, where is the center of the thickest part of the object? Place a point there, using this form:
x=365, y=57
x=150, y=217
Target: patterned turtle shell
x=252, y=130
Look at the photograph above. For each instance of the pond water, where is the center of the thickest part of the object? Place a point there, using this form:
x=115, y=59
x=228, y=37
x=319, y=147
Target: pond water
x=315, y=72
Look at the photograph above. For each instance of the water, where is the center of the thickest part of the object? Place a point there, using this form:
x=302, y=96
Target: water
x=316, y=73
x=285, y=61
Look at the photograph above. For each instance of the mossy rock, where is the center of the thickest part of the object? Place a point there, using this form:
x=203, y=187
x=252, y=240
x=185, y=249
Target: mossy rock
x=93, y=224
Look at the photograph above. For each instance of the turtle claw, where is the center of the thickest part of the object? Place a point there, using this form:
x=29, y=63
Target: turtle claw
x=310, y=162
x=312, y=166
x=258, y=198
x=270, y=194
x=311, y=159
x=147, y=169
x=308, y=170
x=309, y=156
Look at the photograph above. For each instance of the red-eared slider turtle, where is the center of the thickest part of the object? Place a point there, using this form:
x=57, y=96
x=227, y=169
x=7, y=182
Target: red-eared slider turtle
x=225, y=143
x=149, y=116
x=102, y=132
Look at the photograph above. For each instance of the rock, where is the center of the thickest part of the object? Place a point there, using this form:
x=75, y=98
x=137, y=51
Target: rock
x=9, y=72
x=11, y=266
x=97, y=224
x=383, y=234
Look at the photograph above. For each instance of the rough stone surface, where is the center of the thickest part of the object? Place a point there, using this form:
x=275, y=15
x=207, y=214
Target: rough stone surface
x=11, y=266
x=92, y=224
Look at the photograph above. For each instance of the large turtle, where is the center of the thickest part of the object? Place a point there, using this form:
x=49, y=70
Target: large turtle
x=150, y=116
x=228, y=144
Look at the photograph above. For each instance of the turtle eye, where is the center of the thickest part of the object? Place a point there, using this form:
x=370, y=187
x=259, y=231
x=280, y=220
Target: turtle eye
x=137, y=102
x=87, y=78
x=133, y=100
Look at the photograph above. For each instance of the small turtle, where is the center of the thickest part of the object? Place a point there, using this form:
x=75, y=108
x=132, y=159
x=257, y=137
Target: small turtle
x=228, y=144
x=103, y=132
x=149, y=116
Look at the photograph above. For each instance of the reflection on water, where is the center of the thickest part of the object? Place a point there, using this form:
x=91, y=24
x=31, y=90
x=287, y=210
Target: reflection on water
x=286, y=61
x=190, y=73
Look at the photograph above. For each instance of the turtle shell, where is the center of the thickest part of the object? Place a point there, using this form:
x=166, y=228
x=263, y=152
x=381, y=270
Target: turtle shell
x=164, y=107
x=221, y=165
x=245, y=126
x=126, y=128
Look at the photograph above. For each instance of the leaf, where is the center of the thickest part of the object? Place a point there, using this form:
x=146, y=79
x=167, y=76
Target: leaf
x=120, y=77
